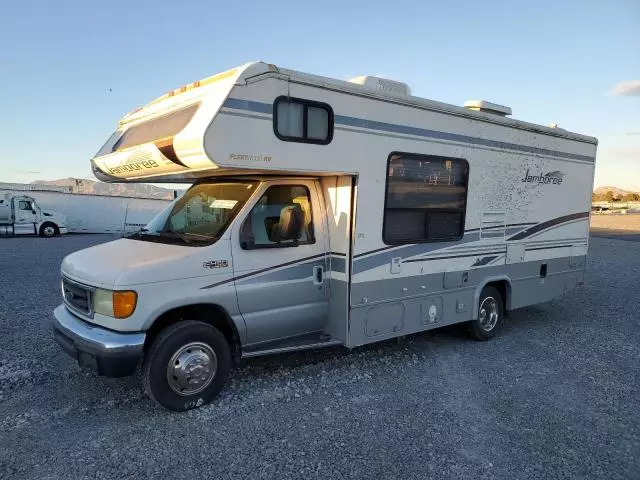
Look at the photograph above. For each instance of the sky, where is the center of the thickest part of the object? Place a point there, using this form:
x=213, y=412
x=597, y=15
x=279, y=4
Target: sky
x=70, y=69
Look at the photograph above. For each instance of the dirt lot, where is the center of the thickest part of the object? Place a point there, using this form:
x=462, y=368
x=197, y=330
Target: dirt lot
x=622, y=227
x=555, y=395
x=616, y=222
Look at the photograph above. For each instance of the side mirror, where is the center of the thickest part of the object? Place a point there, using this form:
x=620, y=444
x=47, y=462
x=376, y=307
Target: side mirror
x=33, y=211
x=247, y=241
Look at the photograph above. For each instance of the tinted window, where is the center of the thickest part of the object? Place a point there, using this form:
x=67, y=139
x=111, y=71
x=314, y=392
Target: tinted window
x=290, y=119
x=297, y=120
x=425, y=198
x=317, y=123
x=281, y=218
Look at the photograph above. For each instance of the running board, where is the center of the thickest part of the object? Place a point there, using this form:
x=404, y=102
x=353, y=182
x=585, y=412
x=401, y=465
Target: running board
x=290, y=347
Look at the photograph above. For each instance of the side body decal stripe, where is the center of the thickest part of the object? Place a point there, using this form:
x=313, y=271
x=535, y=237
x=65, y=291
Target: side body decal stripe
x=548, y=224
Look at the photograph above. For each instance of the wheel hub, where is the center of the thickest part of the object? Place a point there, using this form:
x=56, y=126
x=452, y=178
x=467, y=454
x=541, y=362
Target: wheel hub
x=192, y=368
x=489, y=314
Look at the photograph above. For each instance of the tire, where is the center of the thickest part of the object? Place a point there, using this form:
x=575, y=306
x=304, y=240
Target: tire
x=490, y=315
x=48, y=230
x=180, y=352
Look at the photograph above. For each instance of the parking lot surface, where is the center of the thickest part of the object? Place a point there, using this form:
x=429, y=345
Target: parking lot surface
x=555, y=395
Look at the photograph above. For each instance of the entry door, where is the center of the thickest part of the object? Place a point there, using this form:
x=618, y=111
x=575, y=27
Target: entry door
x=24, y=212
x=280, y=263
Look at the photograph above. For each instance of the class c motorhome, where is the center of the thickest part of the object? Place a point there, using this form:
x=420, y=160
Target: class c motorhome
x=322, y=213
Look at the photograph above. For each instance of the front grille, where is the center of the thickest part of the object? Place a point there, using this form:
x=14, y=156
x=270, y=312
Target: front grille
x=77, y=297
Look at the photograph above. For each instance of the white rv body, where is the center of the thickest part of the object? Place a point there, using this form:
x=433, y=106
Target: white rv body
x=510, y=212
x=22, y=215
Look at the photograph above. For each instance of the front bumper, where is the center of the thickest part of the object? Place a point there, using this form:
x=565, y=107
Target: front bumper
x=108, y=353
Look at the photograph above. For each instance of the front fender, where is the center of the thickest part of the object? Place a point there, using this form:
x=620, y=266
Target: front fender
x=55, y=217
x=159, y=298
x=487, y=281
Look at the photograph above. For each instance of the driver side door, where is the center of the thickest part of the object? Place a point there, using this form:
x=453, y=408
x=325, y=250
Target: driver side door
x=280, y=269
x=25, y=213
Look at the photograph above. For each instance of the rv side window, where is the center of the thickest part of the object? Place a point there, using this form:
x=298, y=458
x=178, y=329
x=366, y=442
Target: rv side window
x=425, y=199
x=297, y=120
x=281, y=218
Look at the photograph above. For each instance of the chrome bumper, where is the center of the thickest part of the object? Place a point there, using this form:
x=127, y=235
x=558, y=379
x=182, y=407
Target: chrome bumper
x=109, y=353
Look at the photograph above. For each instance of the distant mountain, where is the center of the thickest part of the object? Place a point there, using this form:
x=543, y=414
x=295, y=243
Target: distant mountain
x=617, y=192
x=91, y=187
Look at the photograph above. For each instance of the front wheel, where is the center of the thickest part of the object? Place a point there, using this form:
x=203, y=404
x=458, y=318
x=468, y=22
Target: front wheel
x=49, y=229
x=490, y=315
x=187, y=365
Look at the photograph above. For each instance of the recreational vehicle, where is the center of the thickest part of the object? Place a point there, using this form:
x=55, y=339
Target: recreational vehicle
x=322, y=213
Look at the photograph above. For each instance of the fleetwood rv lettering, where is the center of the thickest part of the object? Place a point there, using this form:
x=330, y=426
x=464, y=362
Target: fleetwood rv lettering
x=322, y=212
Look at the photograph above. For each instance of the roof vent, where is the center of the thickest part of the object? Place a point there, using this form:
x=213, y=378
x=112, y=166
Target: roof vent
x=382, y=84
x=488, y=107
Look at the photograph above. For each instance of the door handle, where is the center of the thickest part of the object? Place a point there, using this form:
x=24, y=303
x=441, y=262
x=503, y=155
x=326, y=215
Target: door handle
x=318, y=275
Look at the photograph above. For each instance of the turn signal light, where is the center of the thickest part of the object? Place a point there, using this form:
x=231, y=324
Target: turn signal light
x=124, y=303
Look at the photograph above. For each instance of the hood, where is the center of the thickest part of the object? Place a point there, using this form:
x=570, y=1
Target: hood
x=53, y=215
x=127, y=262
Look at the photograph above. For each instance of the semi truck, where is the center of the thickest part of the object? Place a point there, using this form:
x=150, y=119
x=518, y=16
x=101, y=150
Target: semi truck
x=323, y=212
x=21, y=215
x=90, y=213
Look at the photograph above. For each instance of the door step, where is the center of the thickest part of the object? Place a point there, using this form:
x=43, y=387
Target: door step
x=304, y=342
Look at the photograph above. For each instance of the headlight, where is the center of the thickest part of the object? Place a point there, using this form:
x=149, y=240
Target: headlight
x=116, y=304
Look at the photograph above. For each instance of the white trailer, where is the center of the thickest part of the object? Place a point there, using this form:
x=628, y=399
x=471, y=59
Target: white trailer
x=89, y=213
x=324, y=213
x=21, y=215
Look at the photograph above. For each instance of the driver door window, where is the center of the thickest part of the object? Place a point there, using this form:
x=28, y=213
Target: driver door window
x=25, y=212
x=281, y=218
x=25, y=205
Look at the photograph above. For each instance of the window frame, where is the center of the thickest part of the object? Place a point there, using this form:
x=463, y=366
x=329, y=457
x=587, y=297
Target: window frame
x=305, y=118
x=418, y=156
x=296, y=243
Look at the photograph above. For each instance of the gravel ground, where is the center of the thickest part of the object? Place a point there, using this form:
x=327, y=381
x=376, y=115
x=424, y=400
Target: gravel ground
x=630, y=222
x=556, y=395
x=623, y=227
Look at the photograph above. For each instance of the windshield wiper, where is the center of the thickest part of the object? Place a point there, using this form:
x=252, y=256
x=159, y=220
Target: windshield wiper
x=172, y=234
x=200, y=236
x=139, y=233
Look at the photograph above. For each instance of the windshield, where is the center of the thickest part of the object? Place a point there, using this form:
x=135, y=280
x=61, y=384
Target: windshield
x=200, y=216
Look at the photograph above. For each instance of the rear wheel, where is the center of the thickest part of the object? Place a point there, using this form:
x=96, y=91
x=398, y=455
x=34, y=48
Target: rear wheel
x=187, y=365
x=48, y=229
x=490, y=315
